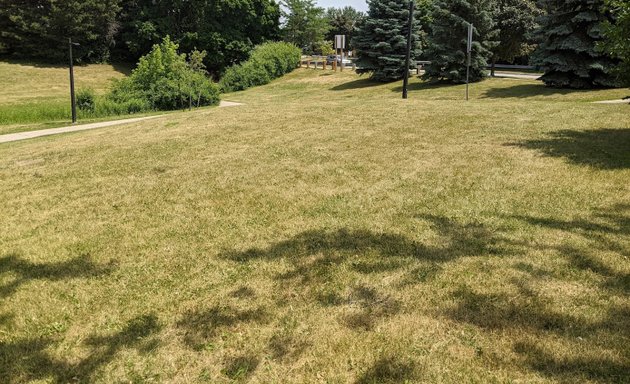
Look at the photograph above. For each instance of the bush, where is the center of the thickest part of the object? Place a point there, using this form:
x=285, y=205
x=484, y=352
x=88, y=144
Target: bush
x=267, y=62
x=165, y=80
x=107, y=106
x=86, y=99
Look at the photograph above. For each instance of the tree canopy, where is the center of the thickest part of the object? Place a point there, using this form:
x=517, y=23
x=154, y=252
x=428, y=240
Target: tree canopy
x=448, y=39
x=305, y=24
x=516, y=20
x=617, y=43
x=568, y=39
x=127, y=29
x=40, y=28
x=381, y=40
x=343, y=21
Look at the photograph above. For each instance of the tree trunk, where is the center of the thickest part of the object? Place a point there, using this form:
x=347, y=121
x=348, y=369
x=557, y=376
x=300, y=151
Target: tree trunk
x=494, y=60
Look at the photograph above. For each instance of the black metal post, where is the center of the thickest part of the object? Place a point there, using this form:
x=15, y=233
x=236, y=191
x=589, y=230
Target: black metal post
x=72, y=98
x=408, y=58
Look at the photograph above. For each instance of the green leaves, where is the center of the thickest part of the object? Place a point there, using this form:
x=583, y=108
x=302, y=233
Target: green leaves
x=166, y=80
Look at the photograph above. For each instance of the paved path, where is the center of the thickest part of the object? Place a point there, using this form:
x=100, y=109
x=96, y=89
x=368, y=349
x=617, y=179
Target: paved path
x=229, y=104
x=83, y=127
x=618, y=101
x=509, y=75
x=73, y=128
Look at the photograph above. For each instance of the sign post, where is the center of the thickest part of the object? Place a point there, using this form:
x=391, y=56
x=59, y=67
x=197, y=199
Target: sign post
x=408, y=58
x=468, y=50
x=340, y=44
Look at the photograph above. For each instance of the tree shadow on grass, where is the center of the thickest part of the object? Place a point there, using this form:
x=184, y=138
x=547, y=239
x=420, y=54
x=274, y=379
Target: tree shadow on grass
x=596, y=369
x=27, y=359
x=600, y=148
x=522, y=91
x=425, y=85
x=240, y=368
x=199, y=327
x=356, y=84
x=389, y=369
x=25, y=271
x=314, y=259
x=529, y=311
x=343, y=244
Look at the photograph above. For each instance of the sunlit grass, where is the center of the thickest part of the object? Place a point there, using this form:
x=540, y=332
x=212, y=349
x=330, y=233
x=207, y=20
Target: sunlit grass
x=325, y=231
x=37, y=96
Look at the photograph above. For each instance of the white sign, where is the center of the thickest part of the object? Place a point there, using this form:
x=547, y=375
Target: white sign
x=340, y=41
x=470, y=36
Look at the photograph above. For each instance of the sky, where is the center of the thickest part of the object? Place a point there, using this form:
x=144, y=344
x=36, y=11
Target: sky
x=360, y=5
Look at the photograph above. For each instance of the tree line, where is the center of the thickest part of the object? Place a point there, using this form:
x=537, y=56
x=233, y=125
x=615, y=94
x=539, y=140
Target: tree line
x=125, y=30
x=577, y=43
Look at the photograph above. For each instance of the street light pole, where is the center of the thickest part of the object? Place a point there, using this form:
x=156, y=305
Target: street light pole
x=408, y=58
x=468, y=51
x=72, y=98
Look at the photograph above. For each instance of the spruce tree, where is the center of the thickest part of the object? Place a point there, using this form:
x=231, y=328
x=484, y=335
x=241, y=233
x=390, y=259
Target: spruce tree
x=381, y=40
x=447, y=40
x=568, y=51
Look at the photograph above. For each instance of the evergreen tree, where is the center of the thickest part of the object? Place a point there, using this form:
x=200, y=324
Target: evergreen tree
x=567, y=51
x=381, y=40
x=617, y=43
x=516, y=20
x=447, y=41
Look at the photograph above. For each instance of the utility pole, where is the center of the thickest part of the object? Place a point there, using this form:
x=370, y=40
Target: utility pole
x=72, y=98
x=468, y=50
x=408, y=58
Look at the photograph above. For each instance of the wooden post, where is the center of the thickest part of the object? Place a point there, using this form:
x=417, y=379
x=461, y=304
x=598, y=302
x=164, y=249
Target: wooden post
x=324, y=65
x=335, y=65
x=308, y=63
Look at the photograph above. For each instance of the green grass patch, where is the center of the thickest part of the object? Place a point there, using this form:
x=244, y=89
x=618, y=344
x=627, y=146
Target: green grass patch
x=325, y=231
x=37, y=96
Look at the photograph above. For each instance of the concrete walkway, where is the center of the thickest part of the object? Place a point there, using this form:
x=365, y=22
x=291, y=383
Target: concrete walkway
x=509, y=75
x=84, y=127
x=73, y=128
x=618, y=101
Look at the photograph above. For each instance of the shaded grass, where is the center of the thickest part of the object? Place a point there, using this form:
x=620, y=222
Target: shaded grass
x=324, y=232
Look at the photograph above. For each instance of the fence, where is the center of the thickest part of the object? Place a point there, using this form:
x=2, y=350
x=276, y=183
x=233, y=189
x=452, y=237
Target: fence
x=322, y=62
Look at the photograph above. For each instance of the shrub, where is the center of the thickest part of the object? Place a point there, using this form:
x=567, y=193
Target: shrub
x=267, y=62
x=86, y=99
x=165, y=80
x=108, y=106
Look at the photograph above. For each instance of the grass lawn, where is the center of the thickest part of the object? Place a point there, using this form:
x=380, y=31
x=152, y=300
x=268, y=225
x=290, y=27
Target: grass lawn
x=37, y=96
x=325, y=231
